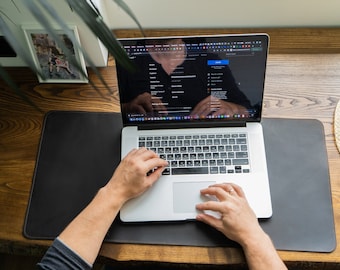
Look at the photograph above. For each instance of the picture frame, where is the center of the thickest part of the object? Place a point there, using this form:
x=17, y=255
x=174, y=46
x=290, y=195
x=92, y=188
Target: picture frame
x=50, y=58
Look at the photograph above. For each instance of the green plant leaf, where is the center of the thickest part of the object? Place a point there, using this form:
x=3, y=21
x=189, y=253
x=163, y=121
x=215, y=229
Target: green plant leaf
x=97, y=25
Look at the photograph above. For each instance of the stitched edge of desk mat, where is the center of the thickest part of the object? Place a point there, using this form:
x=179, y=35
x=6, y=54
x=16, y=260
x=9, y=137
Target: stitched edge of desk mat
x=337, y=125
x=294, y=225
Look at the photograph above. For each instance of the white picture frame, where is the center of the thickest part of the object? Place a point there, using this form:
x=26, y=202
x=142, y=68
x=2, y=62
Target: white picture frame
x=50, y=59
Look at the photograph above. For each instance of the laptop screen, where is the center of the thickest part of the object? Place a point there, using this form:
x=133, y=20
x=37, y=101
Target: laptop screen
x=188, y=79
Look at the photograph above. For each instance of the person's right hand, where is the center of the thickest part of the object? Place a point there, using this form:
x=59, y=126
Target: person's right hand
x=238, y=221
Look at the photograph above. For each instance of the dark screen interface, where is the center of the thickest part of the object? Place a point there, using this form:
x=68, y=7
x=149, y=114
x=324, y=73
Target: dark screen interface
x=188, y=79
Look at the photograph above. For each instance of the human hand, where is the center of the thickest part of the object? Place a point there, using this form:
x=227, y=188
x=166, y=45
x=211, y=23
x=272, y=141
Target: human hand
x=238, y=221
x=145, y=103
x=132, y=177
x=214, y=106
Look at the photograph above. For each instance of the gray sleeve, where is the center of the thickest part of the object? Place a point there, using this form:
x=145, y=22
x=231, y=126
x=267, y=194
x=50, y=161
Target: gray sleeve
x=59, y=256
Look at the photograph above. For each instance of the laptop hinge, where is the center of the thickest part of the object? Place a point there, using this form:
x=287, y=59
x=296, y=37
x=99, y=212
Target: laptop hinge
x=192, y=125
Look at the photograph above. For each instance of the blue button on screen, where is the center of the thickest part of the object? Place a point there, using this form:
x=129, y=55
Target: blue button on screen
x=218, y=62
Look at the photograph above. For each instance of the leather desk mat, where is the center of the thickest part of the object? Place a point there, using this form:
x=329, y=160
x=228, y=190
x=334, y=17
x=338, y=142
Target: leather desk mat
x=79, y=151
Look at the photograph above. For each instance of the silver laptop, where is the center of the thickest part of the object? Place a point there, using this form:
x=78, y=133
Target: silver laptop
x=197, y=102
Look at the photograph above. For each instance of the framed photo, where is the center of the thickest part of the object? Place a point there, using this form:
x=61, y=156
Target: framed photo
x=49, y=57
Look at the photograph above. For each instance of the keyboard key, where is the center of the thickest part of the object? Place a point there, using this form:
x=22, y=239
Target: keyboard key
x=193, y=170
x=236, y=147
x=142, y=144
x=205, y=162
x=220, y=148
x=241, y=154
x=214, y=170
x=193, y=156
x=197, y=163
x=244, y=147
x=228, y=148
x=222, y=169
x=220, y=162
x=166, y=171
x=240, y=161
x=200, y=156
x=216, y=155
x=241, y=141
x=185, y=156
x=174, y=163
x=212, y=162
x=231, y=155
x=201, y=142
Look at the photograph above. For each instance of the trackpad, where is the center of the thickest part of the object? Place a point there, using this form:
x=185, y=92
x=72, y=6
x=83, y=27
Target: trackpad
x=187, y=195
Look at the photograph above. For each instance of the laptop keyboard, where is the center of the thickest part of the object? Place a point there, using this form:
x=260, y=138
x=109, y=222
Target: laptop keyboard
x=201, y=154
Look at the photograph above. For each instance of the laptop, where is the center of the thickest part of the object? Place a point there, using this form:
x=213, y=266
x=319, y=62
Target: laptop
x=197, y=102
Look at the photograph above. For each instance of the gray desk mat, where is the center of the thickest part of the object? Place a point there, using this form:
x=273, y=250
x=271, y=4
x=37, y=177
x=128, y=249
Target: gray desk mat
x=79, y=151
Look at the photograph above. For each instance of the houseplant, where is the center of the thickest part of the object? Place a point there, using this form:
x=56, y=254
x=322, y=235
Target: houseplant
x=46, y=15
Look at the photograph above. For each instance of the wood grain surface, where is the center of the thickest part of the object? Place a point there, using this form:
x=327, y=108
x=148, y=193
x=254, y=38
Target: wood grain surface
x=298, y=85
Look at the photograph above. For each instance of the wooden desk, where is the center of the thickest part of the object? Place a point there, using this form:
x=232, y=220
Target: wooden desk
x=297, y=86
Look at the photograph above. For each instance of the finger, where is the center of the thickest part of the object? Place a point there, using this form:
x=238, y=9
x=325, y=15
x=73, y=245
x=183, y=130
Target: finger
x=228, y=187
x=221, y=191
x=131, y=152
x=239, y=191
x=156, y=174
x=232, y=189
x=218, y=192
x=210, y=205
x=156, y=163
x=210, y=220
x=145, y=153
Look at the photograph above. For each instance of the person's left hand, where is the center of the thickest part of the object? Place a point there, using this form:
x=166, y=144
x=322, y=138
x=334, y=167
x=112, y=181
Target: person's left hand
x=214, y=106
x=132, y=177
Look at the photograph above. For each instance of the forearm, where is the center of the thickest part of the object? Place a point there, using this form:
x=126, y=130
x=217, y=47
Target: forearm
x=261, y=254
x=85, y=234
